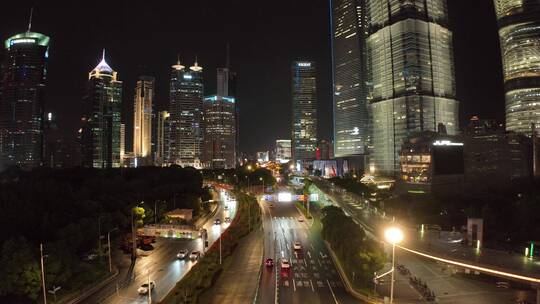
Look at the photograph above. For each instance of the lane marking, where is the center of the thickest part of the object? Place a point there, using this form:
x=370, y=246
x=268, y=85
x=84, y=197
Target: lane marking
x=332, y=291
x=311, y=283
x=309, y=254
x=294, y=285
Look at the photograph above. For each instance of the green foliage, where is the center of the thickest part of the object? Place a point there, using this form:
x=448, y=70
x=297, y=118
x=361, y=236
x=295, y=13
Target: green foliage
x=358, y=254
x=61, y=209
x=352, y=185
x=20, y=273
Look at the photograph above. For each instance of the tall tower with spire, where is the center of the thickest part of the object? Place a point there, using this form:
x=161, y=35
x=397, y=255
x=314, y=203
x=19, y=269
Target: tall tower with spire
x=22, y=87
x=186, y=115
x=101, y=121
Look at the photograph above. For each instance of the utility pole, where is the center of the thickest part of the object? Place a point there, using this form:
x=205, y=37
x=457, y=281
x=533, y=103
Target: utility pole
x=220, y=237
x=99, y=232
x=109, y=244
x=43, y=274
x=149, y=289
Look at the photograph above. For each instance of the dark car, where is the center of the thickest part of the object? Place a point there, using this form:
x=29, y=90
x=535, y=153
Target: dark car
x=217, y=222
x=269, y=262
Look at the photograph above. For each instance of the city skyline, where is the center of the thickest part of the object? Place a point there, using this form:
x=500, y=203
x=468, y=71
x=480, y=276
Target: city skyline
x=255, y=94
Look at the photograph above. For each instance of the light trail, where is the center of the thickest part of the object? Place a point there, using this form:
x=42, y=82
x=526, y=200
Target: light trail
x=479, y=268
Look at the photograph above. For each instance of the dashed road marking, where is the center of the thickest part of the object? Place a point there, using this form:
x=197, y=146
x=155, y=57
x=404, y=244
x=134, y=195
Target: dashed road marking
x=286, y=283
x=320, y=284
x=311, y=283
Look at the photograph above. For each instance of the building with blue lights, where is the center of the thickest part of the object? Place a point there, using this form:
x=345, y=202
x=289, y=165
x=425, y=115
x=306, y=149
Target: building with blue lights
x=186, y=116
x=24, y=72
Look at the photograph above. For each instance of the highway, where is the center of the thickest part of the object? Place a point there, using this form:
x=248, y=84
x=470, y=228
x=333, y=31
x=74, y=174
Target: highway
x=448, y=286
x=313, y=277
x=161, y=263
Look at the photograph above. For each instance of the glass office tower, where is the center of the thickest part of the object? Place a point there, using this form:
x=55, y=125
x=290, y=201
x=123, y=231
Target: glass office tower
x=519, y=33
x=186, y=115
x=351, y=119
x=101, y=121
x=220, y=132
x=24, y=72
x=304, y=111
x=410, y=75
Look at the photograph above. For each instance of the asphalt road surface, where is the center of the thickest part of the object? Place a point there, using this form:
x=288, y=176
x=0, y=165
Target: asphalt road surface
x=313, y=277
x=161, y=263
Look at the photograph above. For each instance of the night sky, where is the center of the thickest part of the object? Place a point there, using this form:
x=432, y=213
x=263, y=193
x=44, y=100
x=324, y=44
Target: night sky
x=144, y=37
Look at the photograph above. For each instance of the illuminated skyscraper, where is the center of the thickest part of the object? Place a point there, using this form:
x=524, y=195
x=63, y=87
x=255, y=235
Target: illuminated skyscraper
x=122, y=142
x=283, y=151
x=519, y=33
x=186, y=110
x=142, y=119
x=351, y=119
x=162, y=140
x=24, y=72
x=220, y=132
x=304, y=110
x=410, y=75
x=100, y=138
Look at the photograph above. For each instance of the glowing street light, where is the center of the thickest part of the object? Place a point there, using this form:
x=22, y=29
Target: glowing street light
x=394, y=236
x=249, y=167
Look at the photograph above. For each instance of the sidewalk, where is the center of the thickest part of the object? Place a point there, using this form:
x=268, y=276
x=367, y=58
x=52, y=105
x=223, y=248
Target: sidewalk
x=238, y=282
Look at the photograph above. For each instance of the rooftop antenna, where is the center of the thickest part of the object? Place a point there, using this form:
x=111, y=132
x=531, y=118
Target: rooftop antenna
x=103, y=58
x=30, y=21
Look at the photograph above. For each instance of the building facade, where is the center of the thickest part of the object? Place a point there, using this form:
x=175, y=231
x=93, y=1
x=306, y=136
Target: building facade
x=101, y=121
x=283, y=151
x=24, y=72
x=186, y=115
x=304, y=111
x=410, y=75
x=349, y=62
x=519, y=33
x=142, y=119
x=220, y=132
x=162, y=138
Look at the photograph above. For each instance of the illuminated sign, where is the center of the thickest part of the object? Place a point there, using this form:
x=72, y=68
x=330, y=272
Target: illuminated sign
x=187, y=76
x=22, y=40
x=304, y=64
x=446, y=143
x=284, y=197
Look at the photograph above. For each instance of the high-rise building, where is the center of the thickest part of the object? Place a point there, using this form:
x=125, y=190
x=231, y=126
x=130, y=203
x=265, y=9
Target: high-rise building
x=162, y=138
x=220, y=132
x=519, y=33
x=122, y=142
x=186, y=115
x=351, y=117
x=304, y=111
x=283, y=150
x=100, y=138
x=410, y=75
x=142, y=119
x=22, y=89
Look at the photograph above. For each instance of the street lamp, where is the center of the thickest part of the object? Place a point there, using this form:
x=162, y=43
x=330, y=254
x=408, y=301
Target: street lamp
x=249, y=167
x=43, y=273
x=394, y=236
x=262, y=180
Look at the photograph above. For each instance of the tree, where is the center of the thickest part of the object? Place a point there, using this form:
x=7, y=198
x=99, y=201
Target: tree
x=21, y=274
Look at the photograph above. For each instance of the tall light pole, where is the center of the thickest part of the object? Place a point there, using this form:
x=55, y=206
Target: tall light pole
x=149, y=289
x=394, y=236
x=43, y=273
x=109, y=244
x=220, y=237
x=262, y=180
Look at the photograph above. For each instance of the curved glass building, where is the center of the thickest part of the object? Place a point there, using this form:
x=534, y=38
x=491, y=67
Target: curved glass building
x=519, y=33
x=22, y=91
x=410, y=73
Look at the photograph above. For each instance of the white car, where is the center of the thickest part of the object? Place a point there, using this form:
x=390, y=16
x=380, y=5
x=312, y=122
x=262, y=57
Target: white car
x=300, y=219
x=297, y=246
x=194, y=255
x=285, y=264
x=182, y=254
x=144, y=287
